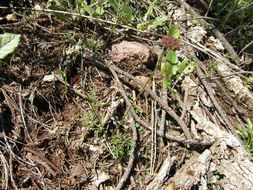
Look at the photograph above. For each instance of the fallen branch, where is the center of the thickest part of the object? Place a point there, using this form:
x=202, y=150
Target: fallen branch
x=227, y=45
x=215, y=31
x=214, y=101
x=127, y=172
x=163, y=173
x=104, y=65
x=193, y=171
x=154, y=96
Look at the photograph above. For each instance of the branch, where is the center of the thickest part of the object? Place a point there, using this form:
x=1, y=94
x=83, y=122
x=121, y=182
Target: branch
x=127, y=172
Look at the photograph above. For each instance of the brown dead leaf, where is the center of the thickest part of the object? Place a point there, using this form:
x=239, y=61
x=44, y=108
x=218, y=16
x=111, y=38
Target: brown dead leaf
x=70, y=113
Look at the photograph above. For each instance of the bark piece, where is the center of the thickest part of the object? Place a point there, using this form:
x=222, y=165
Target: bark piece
x=162, y=174
x=235, y=84
x=192, y=172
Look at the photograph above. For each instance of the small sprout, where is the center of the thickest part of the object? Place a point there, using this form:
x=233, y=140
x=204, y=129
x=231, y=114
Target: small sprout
x=246, y=133
x=174, y=31
x=121, y=145
x=171, y=57
x=173, y=67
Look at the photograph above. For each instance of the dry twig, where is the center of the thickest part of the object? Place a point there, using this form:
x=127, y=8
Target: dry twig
x=214, y=101
x=154, y=96
x=126, y=174
x=215, y=31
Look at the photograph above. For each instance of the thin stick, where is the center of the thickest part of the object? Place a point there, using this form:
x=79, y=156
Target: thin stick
x=192, y=142
x=104, y=65
x=226, y=44
x=130, y=164
x=154, y=96
x=214, y=101
x=161, y=134
x=215, y=31
x=82, y=16
x=127, y=172
x=5, y=171
x=242, y=50
x=153, y=136
x=163, y=116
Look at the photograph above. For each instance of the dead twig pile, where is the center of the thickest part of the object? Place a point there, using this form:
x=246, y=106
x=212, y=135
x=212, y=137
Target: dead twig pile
x=86, y=107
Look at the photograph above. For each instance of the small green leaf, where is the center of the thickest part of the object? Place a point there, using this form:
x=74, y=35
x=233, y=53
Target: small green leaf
x=166, y=82
x=182, y=66
x=159, y=21
x=249, y=123
x=150, y=10
x=172, y=57
x=89, y=10
x=168, y=71
x=173, y=69
x=174, y=31
x=8, y=43
x=242, y=132
x=164, y=67
x=127, y=12
x=150, y=24
x=124, y=12
x=100, y=10
x=250, y=80
x=114, y=4
x=31, y=98
x=144, y=25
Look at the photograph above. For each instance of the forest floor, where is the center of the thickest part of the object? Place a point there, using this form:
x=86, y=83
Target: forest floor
x=93, y=102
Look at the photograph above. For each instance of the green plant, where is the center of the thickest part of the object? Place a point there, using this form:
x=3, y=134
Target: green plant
x=211, y=66
x=233, y=11
x=213, y=177
x=250, y=82
x=153, y=23
x=122, y=10
x=145, y=154
x=92, y=119
x=121, y=145
x=246, y=133
x=94, y=44
x=8, y=43
x=171, y=66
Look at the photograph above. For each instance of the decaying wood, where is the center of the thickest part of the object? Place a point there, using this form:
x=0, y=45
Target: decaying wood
x=215, y=31
x=226, y=160
x=234, y=84
x=162, y=175
x=192, y=172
